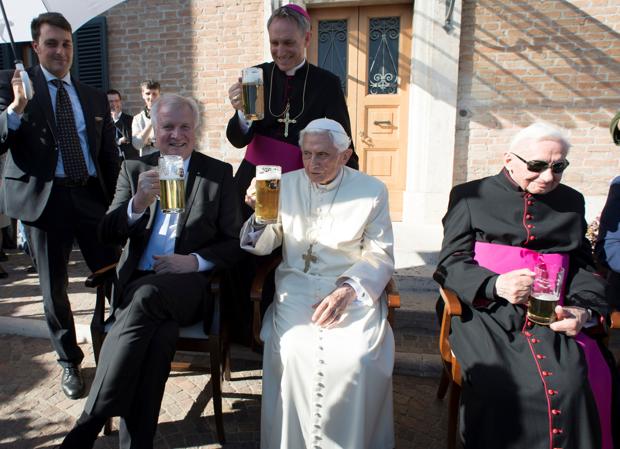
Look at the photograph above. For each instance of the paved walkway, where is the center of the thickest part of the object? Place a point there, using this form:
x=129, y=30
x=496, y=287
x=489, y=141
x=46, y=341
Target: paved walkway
x=34, y=413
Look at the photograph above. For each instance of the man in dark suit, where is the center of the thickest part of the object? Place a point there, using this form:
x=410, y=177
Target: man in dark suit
x=163, y=275
x=122, y=124
x=60, y=174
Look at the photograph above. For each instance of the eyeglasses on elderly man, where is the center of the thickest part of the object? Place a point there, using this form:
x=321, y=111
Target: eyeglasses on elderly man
x=540, y=166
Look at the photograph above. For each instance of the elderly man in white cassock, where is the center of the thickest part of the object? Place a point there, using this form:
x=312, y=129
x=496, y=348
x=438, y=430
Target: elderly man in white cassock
x=329, y=350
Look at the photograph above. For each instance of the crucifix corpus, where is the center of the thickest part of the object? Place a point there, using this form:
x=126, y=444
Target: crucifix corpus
x=309, y=258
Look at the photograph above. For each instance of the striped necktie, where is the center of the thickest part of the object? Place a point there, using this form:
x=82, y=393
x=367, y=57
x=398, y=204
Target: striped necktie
x=70, y=148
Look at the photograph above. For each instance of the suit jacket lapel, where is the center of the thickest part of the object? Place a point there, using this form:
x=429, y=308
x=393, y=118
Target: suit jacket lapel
x=152, y=160
x=43, y=99
x=194, y=179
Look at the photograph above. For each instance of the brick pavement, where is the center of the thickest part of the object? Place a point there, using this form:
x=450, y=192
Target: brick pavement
x=34, y=413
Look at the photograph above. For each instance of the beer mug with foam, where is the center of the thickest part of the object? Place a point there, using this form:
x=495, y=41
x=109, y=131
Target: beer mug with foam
x=172, y=184
x=267, y=193
x=545, y=292
x=252, y=95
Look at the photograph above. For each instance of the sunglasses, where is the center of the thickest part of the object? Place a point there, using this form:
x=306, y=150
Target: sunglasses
x=540, y=166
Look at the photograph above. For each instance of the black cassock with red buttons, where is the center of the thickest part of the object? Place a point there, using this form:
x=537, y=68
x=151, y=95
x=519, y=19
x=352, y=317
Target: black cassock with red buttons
x=524, y=385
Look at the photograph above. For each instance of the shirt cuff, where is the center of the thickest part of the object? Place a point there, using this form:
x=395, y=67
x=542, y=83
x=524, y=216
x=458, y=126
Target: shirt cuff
x=254, y=233
x=243, y=123
x=360, y=293
x=203, y=264
x=489, y=289
x=14, y=119
x=593, y=319
x=132, y=217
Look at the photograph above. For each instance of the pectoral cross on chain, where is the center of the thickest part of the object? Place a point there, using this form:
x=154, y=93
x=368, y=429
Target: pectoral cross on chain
x=286, y=120
x=309, y=258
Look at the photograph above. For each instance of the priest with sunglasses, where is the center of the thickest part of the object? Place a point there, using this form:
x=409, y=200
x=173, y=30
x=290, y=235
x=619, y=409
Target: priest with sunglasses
x=527, y=385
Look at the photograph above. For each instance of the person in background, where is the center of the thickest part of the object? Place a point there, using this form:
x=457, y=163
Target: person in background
x=614, y=128
x=122, y=123
x=143, y=138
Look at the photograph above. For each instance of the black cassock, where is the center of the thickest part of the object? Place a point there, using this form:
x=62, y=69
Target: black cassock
x=323, y=99
x=505, y=403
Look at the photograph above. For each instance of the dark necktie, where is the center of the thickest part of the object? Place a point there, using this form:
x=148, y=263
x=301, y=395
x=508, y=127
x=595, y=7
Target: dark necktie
x=71, y=150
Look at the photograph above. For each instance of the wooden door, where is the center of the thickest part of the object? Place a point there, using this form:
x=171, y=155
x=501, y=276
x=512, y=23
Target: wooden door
x=369, y=48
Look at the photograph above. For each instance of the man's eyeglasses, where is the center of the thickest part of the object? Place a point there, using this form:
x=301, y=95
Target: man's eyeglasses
x=540, y=166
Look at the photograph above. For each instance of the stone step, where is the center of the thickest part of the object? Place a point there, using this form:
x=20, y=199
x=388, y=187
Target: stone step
x=415, y=324
x=423, y=365
x=415, y=279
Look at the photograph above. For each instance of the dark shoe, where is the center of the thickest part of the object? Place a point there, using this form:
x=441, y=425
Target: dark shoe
x=3, y=274
x=72, y=382
x=31, y=269
x=3, y=256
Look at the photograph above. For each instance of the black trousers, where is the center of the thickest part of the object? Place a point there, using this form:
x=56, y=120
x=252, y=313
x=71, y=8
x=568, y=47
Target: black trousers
x=135, y=358
x=71, y=214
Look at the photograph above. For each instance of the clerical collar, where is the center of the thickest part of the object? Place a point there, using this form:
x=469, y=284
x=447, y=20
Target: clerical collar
x=507, y=181
x=330, y=185
x=49, y=77
x=295, y=69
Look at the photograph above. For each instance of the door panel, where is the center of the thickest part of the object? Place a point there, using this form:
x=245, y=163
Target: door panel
x=377, y=84
x=350, y=16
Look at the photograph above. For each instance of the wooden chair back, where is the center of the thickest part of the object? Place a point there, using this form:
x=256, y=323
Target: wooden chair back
x=451, y=373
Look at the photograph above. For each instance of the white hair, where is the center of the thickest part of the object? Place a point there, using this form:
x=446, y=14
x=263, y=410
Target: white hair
x=538, y=132
x=175, y=101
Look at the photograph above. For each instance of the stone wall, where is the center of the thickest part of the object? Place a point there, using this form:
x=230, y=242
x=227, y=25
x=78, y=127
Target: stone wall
x=192, y=47
x=552, y=60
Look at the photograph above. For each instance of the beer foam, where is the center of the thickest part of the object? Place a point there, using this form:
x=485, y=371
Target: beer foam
x=169, y=177
x=545, y=297
x=268, y=172
x=252, y=75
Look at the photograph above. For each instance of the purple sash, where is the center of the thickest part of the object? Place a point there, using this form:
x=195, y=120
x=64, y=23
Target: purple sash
x=264, y=150
x=504, y=258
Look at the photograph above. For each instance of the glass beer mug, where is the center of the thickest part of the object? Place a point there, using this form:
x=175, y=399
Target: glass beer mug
x=172, y=184
x=252, y=95
x=545, y=292
x=267, y=193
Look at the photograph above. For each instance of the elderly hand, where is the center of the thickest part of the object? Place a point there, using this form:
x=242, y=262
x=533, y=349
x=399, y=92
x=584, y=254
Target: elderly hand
x=569, y=320
x=514, y=286
x=330, y=310
x=148, y=189
x=19, y=96
x=175, y=263
x=250, y=194
x=234, y=95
